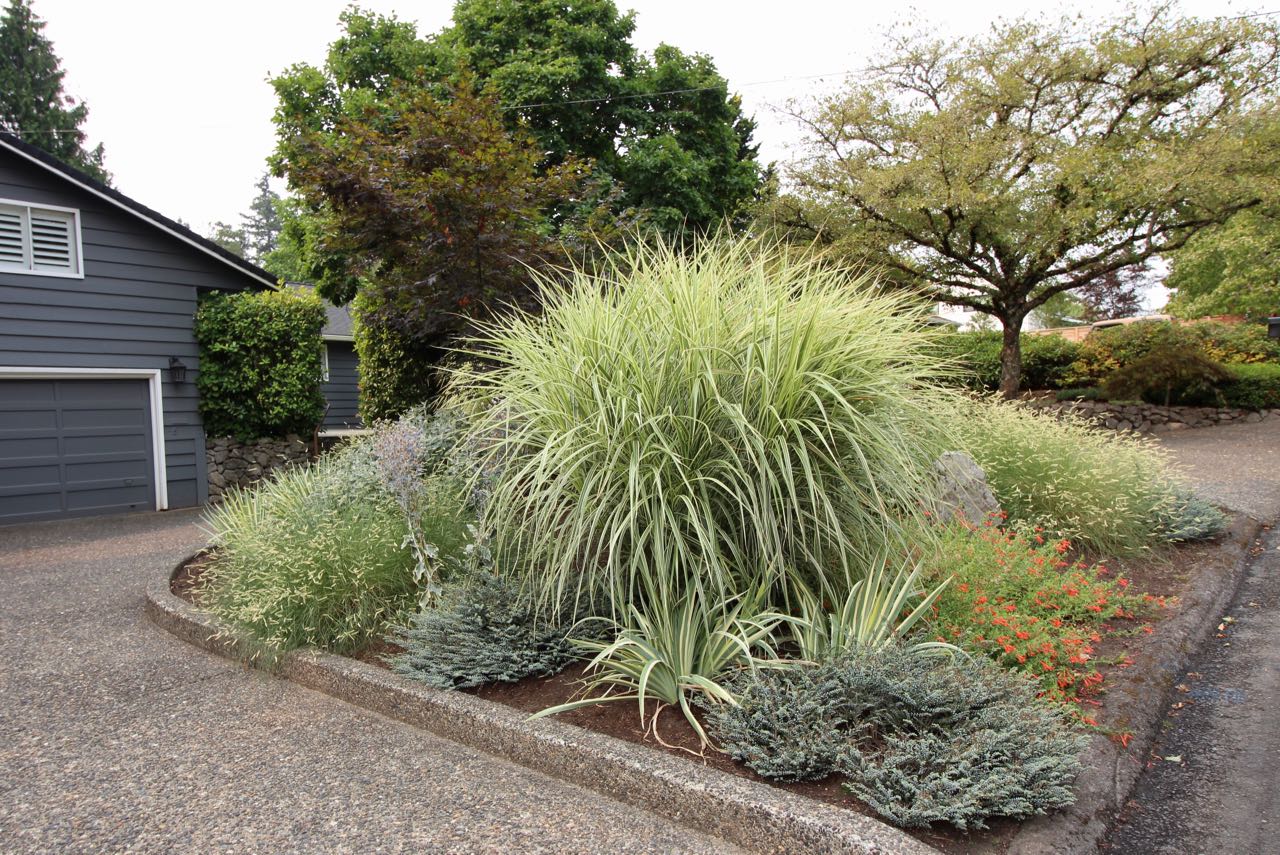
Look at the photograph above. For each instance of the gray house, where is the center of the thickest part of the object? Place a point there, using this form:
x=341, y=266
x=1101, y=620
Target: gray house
x=340, y=381
x=98, y=405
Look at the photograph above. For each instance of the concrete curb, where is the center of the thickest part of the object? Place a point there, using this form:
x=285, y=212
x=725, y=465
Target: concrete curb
x=1110, y=771
x=749, y=814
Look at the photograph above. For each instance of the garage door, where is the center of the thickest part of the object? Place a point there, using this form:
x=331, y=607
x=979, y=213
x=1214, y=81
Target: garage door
x=73, y=448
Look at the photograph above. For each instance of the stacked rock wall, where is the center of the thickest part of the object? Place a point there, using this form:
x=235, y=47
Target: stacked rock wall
x=1148, y=418
x=239, y=464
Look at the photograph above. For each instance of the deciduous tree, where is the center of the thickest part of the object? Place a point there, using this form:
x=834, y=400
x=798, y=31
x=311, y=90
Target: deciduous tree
x=998, y=171
x=1233, y=269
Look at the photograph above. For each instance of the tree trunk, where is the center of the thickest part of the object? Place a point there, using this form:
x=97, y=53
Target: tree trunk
x=1011, y=357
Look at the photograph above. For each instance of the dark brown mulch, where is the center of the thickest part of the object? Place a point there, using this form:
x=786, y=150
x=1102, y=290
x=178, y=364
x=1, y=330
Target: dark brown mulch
x=186, y=582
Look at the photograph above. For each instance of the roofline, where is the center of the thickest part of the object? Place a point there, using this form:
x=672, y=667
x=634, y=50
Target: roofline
x=335, y=337
x=95, y=187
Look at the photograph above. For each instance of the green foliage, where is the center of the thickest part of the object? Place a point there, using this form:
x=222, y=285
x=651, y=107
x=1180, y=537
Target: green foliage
x=482, y=631
x=1096, y=487
x=1229, y=269
x=677, y=648
x=880, y=609
x=567, y=74
x=260, y=363
x=1166, y=375
x=1083, y=393
x=324, y=555
x=257, y=236
x=1232, y=344
x=32, y=103
x=1252, y=387
x=396, y=374
x=707, y=418
x=967, y=168
x=1045, y=359
x=922, y=739
x=977, y=354
x=1015, y=597
x=1108, y=350
x=303, y=561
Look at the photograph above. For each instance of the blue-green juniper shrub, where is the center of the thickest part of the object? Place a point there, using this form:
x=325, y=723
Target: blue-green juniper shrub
x=481, y=631
x=921, y=738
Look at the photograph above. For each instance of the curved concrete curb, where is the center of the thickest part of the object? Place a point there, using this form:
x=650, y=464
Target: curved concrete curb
x=749, y=814
x=1110, y=771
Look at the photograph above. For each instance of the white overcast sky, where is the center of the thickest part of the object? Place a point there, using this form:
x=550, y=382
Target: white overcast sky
x=178, y=90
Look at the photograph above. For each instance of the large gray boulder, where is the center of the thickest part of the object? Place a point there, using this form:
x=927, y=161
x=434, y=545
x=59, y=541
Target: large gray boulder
x=962, y=489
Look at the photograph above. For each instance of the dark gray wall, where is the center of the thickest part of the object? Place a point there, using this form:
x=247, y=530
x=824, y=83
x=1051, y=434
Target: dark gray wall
x=133, y=309
x=341, y=391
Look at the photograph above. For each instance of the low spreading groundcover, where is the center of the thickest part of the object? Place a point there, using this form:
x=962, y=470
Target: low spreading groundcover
x=707, y=476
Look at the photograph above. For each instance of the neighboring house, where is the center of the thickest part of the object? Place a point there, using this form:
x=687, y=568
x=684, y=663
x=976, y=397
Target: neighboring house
x=98, y=361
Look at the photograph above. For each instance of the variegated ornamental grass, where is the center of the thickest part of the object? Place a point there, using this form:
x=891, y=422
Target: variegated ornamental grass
x=723, y=418
x=325, y=556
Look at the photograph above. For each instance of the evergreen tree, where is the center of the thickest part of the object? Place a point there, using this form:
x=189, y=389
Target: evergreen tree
x=32, y=103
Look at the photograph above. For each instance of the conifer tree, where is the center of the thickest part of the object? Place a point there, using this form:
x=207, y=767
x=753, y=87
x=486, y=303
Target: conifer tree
x=32, y=103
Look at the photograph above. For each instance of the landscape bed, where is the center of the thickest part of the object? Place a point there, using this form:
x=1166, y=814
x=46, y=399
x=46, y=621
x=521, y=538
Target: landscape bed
x=1196, y=579
x=734, y=482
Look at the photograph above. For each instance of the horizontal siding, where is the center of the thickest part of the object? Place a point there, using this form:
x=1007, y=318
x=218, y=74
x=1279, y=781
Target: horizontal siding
x=342, y=389
x=133, y=309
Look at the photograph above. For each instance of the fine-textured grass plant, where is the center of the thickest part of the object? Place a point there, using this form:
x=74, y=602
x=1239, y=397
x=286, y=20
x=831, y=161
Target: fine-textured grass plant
x=1100, y=489
x=710, y=417
x=326, y=555
x=298, y=564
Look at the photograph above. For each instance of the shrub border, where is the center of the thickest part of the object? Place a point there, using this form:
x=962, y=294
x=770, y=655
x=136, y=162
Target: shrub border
x=747, y=813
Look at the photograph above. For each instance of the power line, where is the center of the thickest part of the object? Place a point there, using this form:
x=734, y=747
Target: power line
x=692, y=89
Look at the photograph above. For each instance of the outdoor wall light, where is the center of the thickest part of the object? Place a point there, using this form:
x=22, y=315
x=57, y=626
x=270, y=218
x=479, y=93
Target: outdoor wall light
x=177, y=370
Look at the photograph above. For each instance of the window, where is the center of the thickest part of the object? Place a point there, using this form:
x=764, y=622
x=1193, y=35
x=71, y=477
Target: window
x=44, y=241
x=324, y=363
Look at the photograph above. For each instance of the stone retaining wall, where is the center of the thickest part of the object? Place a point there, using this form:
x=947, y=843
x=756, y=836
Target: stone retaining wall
x=1148, y=418
x=239, y=464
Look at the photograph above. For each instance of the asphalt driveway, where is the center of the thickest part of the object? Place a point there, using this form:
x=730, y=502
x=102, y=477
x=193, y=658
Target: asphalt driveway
x=116, y=737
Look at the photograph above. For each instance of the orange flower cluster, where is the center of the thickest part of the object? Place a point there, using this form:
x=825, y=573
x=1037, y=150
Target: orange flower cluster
x=1018, y=599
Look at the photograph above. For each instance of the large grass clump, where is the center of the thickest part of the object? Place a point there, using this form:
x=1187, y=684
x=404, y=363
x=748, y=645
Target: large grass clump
x=1101, y=489
x=721, y=418
x=331, y=555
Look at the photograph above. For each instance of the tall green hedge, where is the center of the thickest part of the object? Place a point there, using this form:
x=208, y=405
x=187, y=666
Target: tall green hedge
x=260, y=363
x=396, y=373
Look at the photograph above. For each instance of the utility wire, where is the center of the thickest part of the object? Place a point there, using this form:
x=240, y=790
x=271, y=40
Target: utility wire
x=689, y=90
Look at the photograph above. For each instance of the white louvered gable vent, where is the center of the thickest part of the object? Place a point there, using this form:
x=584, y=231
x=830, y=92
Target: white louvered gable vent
x=44, y=241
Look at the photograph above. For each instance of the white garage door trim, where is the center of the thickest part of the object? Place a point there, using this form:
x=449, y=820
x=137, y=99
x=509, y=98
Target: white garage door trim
x=151, y=375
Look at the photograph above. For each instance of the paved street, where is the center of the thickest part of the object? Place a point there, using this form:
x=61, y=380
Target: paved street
x=116, y=737
x=1211, y=786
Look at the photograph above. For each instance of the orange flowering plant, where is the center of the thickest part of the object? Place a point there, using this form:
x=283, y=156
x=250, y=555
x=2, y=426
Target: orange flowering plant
x=1018, y=597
